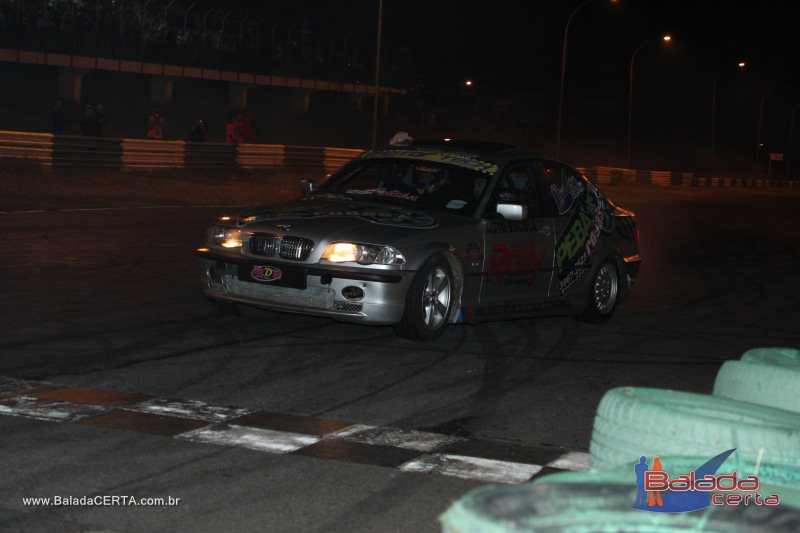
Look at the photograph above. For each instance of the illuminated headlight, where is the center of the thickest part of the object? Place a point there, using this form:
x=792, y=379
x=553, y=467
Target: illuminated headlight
x=227, y=237
x=365, y=254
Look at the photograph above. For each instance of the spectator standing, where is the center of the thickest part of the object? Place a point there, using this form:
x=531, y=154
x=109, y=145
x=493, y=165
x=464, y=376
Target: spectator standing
x=155, y=126
x=198, y=132
x=234, y=130
x=88, y=124
x=58, y=116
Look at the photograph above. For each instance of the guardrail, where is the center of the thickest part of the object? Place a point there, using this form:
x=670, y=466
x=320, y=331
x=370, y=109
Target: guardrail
x=144, y=154
x=662, y=178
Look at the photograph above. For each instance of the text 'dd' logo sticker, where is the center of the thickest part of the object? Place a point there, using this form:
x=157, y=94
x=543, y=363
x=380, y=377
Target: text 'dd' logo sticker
x=265, y=273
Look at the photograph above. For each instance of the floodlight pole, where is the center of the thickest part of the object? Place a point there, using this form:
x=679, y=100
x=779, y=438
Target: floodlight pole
x=760, y=126
x=377, y=76
x=563, y=74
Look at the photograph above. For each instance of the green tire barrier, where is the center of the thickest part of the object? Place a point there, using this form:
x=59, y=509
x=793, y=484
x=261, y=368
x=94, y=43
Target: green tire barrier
x=786, y=357
x=632, y=422
x=766, y=376
x=591, y=507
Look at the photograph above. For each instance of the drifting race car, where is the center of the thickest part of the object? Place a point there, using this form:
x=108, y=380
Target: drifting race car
x=424, y=235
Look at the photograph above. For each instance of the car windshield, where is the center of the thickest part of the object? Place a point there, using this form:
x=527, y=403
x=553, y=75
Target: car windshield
x=407, y=182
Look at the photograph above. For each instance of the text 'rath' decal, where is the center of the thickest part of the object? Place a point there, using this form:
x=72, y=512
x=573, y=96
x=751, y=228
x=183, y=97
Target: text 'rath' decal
x=514, y=264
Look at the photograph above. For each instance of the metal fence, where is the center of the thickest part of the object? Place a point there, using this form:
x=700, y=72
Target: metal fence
x=193, y=33
x=140, y=154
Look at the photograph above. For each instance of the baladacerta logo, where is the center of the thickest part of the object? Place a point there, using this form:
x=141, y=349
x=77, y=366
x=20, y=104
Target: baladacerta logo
x=698, y=489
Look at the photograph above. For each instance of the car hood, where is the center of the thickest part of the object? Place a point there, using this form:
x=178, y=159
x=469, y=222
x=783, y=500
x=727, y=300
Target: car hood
x=325, y=220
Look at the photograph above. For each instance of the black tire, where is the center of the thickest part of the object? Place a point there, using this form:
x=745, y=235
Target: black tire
x=428, y=302
x=603, y=294
x=226, y=308
x=545, y=507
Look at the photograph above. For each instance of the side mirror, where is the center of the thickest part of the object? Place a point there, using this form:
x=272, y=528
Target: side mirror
x=308, y=186
x=512, y=212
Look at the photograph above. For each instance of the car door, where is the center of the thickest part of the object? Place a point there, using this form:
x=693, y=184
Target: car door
x=518, y=259
x=573, y=204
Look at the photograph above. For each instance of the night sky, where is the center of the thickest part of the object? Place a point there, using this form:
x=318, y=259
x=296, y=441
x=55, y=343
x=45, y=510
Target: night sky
x=517, y=44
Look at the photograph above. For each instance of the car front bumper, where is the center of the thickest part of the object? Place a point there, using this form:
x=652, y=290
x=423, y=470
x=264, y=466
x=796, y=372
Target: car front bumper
x=383, y=301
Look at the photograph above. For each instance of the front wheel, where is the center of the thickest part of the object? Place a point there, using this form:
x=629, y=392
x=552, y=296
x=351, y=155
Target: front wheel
x=226, y=308
x=428, y=302
x=603, y=294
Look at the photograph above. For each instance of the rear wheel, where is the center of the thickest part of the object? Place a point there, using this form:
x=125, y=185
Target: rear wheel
x=428, y=302
x=603, y=294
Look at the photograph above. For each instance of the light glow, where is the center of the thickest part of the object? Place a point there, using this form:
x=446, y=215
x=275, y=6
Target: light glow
x=341, y=252
x=227, y=237
x=742, y=64
x=363, y=254
x=667, y=38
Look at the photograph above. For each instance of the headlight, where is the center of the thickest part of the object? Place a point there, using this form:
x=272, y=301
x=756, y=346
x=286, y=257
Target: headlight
x=365, y=254
x=227, y=237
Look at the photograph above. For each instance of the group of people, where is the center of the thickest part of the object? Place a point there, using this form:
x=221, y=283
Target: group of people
x=237, y=130
x=93, y=120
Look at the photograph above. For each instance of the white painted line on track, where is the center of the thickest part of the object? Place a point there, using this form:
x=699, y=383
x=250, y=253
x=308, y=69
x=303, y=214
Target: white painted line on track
x=121, y=208
x=572, y=461
x=193, y=409
x=420, y=441
x=466, y=467
x=263, y=440
x=28, y=407
x=11, y=384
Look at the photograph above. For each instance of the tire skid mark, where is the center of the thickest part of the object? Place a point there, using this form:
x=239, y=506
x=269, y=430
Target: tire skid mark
x=182, y=353
x=394, y=383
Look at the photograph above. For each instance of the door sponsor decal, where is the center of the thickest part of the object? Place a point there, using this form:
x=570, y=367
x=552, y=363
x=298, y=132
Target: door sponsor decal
x=514, y=264
x=592, y=218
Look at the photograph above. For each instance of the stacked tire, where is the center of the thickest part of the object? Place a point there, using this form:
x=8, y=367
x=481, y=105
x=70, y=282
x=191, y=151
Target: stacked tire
x=632, y=422
x=754, y=408
x=764, y=376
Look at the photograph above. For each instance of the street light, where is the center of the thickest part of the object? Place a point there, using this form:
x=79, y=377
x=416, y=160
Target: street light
x=666, y=39
x=740, y=65
x=759, y=144
x=563, y=73
x=377, y=76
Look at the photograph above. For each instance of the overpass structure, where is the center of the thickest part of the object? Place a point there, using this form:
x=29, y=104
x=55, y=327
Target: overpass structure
x=72, y=69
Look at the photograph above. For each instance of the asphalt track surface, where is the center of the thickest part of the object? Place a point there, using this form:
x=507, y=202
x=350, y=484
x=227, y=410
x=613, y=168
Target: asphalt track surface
x=110, y=299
